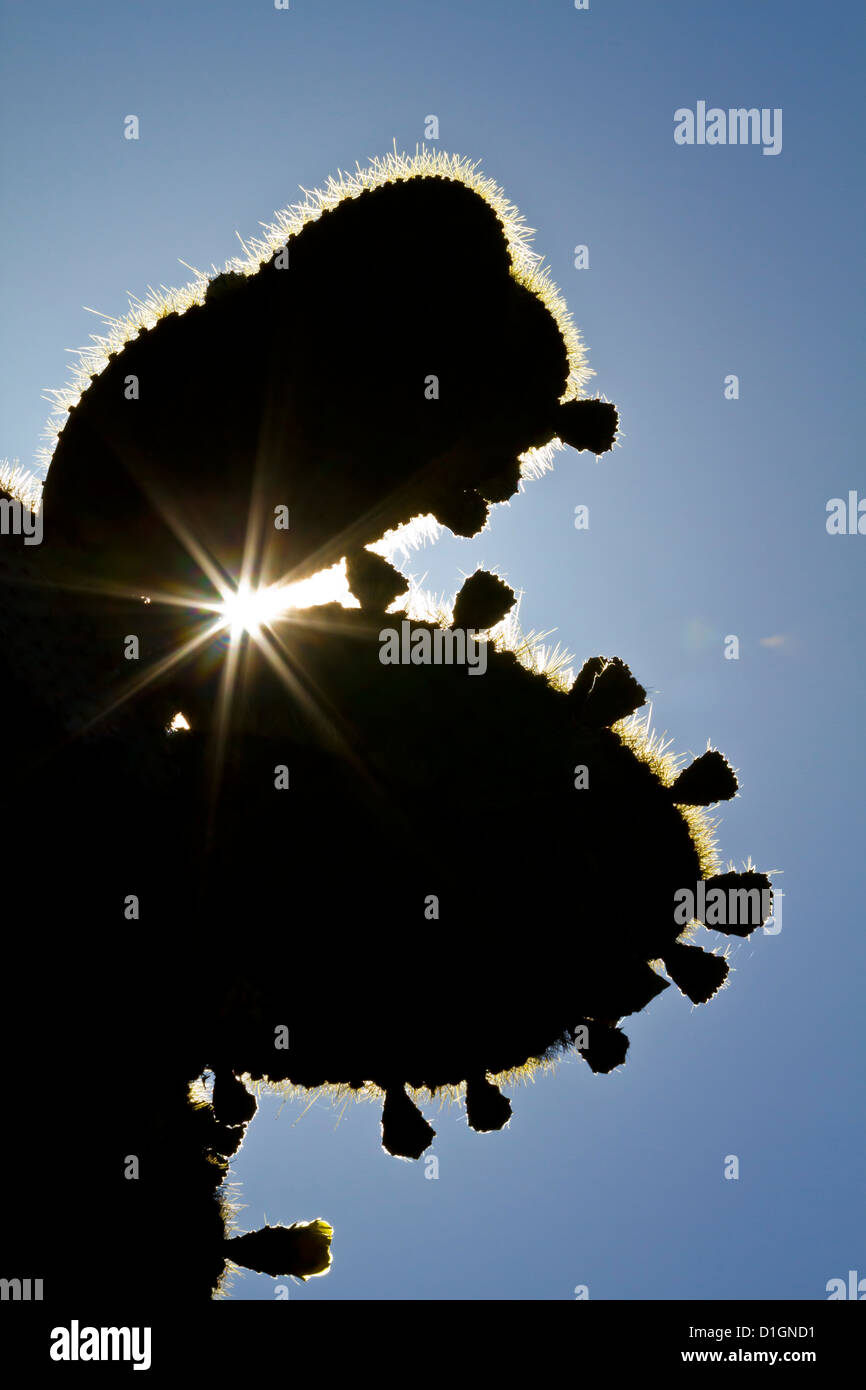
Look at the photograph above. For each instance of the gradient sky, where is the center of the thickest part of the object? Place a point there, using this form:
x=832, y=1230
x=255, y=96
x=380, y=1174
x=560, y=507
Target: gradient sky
x=708, y=521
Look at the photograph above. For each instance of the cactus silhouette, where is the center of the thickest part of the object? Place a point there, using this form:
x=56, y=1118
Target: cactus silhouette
x=357, y=403
x=322, y=882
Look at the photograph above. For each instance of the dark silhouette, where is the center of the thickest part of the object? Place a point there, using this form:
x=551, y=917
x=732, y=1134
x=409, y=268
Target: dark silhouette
x=440, y=896
x=308, y=386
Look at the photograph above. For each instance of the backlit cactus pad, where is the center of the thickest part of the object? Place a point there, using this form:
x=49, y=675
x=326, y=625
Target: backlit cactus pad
x=383, y=853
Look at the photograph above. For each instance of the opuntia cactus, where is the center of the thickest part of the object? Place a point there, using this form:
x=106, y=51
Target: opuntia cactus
x=331, y=848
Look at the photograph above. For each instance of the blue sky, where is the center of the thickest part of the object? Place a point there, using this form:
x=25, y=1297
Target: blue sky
x=708, y=521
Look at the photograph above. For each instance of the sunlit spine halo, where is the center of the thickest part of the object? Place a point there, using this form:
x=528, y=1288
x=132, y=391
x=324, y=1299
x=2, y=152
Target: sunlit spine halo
x=527, y=268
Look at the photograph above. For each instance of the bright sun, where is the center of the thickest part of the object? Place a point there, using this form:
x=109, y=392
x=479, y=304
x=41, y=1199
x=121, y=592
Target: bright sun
x=249, y=609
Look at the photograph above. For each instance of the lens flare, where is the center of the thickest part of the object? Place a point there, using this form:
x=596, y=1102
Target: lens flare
x=249, y=609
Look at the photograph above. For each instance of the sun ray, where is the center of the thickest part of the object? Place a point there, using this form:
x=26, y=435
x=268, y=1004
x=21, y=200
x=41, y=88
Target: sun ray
x=154, y=673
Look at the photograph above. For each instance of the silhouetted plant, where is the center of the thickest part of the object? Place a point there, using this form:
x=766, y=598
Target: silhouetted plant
x=463, y=879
